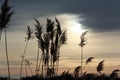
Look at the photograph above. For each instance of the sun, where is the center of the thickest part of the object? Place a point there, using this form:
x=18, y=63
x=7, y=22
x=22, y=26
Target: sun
x=76, y=28
x=72, y=23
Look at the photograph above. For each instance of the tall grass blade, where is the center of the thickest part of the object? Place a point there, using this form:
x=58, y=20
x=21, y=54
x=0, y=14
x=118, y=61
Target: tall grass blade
x=5, y=17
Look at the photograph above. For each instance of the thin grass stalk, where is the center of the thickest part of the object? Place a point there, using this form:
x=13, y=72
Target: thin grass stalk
x=83, y=68
x=6, y=49
x=29, y=65
x=37, y=61
x=26, y=69
x=81, y=61
x=31, y=70
x=23, y=57
x=58, y=60
x=38, y=34
x=47, y=66
x=43, y=65
x=51, y=60
x=0, y=35
x=40, y=62
x=61, y=40
x=47, y=63
x=5, y=17
x=52, y=48
x=42, y=72
x=82, y=44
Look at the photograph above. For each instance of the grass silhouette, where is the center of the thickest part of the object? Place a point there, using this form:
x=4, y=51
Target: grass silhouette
x=5, y=17
x=29, y=36
x=50, y=39
x=82, y=44
x=100, y=66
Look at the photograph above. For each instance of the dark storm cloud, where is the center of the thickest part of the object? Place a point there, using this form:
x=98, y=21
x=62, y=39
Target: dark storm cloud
x=98, y=15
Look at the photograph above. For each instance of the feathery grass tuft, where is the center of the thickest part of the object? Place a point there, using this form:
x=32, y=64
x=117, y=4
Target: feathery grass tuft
x=58, y=26
x=49, y=25
x=89, y=60
x=100, y=66
x=29, y=36
x=76, y=72
x=29, y=33
x=63, y=37
x=5, y=16
x=83, y=42
x=83, y=39
x=114, y=74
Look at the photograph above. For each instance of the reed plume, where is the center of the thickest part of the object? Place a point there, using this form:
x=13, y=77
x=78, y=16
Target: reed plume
x=29, y=36
x=76, y=72
x=114, y=74
x=38, y=34
x=100, y=66
x=82, y=44
x=5, y=16
x=89, y=60
x=49, y=42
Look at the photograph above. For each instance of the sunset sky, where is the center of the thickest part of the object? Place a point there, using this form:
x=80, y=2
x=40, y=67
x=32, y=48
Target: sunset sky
x=101, y=18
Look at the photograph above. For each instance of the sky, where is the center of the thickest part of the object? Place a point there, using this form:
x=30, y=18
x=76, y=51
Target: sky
x=99, y=17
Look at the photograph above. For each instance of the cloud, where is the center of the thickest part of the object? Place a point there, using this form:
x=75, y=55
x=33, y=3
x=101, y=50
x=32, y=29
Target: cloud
x=102, y=15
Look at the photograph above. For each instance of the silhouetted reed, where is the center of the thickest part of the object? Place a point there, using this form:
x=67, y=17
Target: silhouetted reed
x=38, y=35
x=114, y=74
x=49, y=41
x=83, y=41
x=100, y=66
x=28, y=65
x=29, y=36
x=89, y=60
x=5, y=17
x=76, y=72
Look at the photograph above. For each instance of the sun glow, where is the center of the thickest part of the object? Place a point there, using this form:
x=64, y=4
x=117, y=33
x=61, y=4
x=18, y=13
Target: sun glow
x=76, y=28
x=72, y=23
